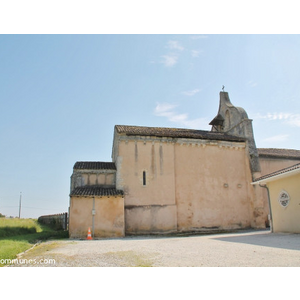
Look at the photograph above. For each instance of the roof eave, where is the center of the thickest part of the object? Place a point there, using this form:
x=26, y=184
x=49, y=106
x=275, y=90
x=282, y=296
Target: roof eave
x=276, y=177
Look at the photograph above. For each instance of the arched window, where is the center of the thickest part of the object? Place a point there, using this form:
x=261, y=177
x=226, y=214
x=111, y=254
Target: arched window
x=227, y=120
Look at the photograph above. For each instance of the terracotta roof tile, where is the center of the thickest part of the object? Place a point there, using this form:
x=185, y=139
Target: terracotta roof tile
x=282, y=171
x=94, y=165
x=176, y=133
x=279, y=153
x=96, y=191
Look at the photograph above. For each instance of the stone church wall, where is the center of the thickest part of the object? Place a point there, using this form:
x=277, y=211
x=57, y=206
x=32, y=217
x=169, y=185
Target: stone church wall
x=184, y=184
x=146, y=175
x=213, y=186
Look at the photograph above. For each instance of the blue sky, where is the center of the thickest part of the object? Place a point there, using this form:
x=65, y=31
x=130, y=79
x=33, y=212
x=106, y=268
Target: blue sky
x=61, y=96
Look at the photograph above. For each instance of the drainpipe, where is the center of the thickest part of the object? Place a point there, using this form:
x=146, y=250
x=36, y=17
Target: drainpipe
x=270, y=215
x=93, y=218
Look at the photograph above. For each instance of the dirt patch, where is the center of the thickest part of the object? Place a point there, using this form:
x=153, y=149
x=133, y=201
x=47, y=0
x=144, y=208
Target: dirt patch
x=129, y=258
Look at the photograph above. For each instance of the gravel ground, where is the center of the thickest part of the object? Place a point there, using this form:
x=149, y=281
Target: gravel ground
x=243, y=249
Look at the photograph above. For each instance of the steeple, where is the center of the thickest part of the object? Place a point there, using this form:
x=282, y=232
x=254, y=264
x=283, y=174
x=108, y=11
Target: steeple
x=234, y=121
x=229, y=116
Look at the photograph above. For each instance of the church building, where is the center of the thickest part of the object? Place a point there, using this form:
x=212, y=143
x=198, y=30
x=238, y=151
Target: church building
x=171, y=180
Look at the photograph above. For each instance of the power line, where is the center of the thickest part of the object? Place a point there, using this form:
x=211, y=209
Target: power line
x=40, y=208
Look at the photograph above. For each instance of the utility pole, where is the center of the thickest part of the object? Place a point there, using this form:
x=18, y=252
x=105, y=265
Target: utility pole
x=20, y=205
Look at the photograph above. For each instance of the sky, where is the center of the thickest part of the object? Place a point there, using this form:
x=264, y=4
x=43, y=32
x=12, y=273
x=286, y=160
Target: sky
x=62, y=95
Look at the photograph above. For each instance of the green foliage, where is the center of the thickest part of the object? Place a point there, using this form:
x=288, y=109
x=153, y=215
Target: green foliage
x=55, y=221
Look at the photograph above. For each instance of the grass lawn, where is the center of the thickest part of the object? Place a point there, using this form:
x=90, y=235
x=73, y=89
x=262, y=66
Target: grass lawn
x=18, y=235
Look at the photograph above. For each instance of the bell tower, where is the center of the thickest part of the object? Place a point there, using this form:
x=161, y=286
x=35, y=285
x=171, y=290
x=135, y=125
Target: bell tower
x=234, y=121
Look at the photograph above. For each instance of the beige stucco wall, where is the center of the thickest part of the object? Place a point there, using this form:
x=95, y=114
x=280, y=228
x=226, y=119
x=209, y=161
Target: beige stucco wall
x=270, y=165
x=213, y=186
x=93, y=177
x=286, y=219
x=151, y=219
x=108, y=220
x=150, y=207
x=190, y=184
x=98, y=178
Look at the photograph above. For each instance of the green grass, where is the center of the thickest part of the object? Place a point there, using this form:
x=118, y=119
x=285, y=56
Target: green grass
x=12, y=227
x=18, y=235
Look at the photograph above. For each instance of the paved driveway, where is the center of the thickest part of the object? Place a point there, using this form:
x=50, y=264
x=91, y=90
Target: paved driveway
x=243, y=249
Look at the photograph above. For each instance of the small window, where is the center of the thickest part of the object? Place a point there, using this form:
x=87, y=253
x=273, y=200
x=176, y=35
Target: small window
x=144, y=177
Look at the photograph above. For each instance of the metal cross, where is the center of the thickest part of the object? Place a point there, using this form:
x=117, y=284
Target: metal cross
x=223, y=87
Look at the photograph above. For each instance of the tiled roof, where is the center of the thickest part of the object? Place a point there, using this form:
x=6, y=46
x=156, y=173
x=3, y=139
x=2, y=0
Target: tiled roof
x=95, y=165
x=96, y=191
x=279, y=153
x=279, y=172
x=176, y=133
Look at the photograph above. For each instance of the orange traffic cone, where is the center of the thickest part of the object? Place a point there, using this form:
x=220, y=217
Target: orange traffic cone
x=89, y=236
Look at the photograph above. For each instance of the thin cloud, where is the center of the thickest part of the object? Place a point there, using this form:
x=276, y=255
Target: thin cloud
x=174, y=45
x=198, y=37
x=277, y=138
x=169, y=60
x=252, y=83
x=199, y=123
x=294, y=120
x=196, y=53
x=164, y=109
x=178, y=118
x=167, y=110
x=288, y=118
x=191, y=93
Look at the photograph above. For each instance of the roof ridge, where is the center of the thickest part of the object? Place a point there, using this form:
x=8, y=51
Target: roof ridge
x=279, y=152
x=278, y=149
x=173, y=132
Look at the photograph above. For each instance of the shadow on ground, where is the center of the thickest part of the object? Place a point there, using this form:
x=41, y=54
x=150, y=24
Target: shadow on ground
x=266, y=239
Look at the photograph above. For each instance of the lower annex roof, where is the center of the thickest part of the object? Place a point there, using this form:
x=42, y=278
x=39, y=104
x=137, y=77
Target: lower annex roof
x=96, y=191
x=286, y=171
x=94, y=165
